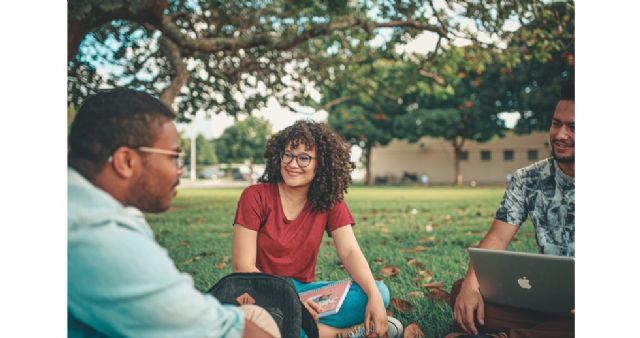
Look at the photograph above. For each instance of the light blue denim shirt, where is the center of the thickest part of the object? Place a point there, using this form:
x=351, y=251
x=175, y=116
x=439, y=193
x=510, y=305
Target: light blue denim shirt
x=121, y=283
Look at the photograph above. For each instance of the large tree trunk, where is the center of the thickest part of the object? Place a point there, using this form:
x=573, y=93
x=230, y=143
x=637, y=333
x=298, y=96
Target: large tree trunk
x=457, y=144
x=456, y=165
x=368, y=176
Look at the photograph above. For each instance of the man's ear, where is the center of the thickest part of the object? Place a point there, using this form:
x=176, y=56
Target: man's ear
x=125, y=162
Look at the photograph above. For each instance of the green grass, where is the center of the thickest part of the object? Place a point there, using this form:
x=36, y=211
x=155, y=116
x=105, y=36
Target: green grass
x=197, y=233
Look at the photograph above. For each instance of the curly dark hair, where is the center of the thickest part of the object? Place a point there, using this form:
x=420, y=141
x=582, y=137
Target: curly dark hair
x=333, y=168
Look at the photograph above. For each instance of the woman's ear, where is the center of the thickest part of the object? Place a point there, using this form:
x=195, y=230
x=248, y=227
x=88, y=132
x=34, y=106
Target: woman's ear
x=124, y=162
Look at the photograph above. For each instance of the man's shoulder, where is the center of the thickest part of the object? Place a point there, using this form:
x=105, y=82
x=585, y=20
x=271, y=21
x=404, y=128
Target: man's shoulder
x=536, y=171
x=90, y=208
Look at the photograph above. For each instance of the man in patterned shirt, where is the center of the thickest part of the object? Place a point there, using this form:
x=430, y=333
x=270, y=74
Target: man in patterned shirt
x=543, y=191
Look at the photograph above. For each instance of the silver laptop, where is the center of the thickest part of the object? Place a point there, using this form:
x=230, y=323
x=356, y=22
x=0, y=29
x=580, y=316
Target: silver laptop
x=531, y=281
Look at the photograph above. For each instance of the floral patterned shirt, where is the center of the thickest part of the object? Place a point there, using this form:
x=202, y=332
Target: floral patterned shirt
x=547, y=195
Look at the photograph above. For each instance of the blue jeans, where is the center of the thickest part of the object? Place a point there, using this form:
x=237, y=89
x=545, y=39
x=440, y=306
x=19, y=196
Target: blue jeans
x=353, y=308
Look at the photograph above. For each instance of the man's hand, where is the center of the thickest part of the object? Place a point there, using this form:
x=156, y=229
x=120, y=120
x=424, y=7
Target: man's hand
x=314, y=309
x=469, y=305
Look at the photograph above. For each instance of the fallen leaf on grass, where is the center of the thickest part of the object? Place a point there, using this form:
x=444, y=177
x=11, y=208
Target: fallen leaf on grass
x=416, y=294
x=428, y=239
x=192, y=259
x=379, y=261
x=418, y=248
x=429, y=227
x=400, y=305
x=425, y=275
x=221, y=265
x=447, y=218
x=184, y=243
x=434, y=285
x=415, y=262
x=413, y=331
x=384, y=231
x=439, y=295
x=197, y=257
x=390, y=270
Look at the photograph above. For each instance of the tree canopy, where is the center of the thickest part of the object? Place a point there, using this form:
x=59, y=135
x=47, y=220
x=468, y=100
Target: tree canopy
x=229, y=56
x=457, y=93
x=244, y=141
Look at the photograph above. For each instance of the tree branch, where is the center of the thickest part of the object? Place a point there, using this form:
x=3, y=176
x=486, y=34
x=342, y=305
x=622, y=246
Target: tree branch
x=180, y=76
x=278, y=41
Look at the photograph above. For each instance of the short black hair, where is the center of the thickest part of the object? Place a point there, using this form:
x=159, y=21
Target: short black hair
x=567, y=91
x=110, y=119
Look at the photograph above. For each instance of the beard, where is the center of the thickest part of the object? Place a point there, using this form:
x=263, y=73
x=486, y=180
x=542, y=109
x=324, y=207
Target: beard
x=563, y=159
x=145, y=195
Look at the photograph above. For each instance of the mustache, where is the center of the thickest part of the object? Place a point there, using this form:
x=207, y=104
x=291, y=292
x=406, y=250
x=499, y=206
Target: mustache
x=563, y=143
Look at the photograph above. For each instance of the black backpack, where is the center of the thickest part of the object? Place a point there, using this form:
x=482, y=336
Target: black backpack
x=274, y=294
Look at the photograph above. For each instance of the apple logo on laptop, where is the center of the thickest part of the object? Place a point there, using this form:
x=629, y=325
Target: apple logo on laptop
x=524, y=283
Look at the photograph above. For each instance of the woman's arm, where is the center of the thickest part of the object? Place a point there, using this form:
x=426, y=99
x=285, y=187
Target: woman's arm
x=358, y=268
x=243, y=249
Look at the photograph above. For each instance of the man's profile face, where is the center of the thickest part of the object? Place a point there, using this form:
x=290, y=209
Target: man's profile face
x=562, y=132
x=155, y=189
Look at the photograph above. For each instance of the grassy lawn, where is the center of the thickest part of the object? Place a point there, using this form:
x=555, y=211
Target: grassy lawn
x=423, y=232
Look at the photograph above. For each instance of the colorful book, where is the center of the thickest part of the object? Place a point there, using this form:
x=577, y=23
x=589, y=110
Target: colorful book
x=330, y=296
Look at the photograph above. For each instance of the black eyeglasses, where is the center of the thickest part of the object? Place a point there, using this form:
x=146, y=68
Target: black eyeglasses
x=302, y=159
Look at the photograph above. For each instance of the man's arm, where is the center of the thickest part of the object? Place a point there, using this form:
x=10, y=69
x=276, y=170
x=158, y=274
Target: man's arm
x=122, y=283
x=469, y=301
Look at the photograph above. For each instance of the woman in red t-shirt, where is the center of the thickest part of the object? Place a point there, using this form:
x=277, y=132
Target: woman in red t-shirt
x=280, y=222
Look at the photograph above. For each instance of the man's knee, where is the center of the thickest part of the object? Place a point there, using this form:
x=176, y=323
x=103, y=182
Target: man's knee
x=261, y=318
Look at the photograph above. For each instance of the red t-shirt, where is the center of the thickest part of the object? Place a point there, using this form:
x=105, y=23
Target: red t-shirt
x=287, y=248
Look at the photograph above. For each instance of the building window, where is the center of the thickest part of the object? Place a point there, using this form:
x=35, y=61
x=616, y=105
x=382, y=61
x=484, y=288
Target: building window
x=485, y=155
x=464, y=155
x=508, y=155
x=532, y=154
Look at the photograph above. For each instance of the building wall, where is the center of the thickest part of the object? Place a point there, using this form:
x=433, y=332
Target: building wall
x=434, y=157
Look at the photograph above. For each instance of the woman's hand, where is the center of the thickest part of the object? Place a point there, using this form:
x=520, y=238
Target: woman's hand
x=375, y=316
x=314, y=309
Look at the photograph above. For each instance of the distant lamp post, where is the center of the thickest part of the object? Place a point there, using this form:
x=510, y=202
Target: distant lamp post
x=192, y=162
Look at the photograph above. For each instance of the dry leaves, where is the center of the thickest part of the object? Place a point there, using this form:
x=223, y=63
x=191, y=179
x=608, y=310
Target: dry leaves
x=416, y=294
x=428, y=239
x=413, y=331
x=390, y=270
x=416, y=263
x=379, y=261
x=439, y=295
x=434, y=285
x=400, y=305
x=418, y=248
x=221, y=265
x=425, y=275
x=184, y=243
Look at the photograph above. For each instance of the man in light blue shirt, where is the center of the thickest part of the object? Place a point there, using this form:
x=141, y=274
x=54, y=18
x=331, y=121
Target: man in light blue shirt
x=125, y=159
